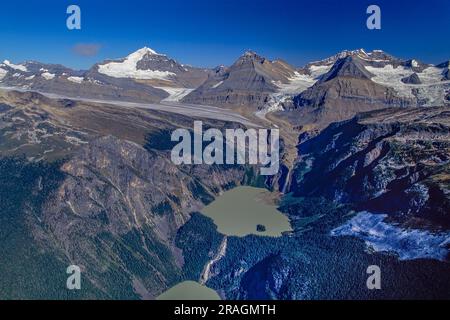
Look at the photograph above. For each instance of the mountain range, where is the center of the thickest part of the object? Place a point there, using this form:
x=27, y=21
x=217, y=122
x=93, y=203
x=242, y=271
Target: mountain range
x=86, y=177
x=372, y=80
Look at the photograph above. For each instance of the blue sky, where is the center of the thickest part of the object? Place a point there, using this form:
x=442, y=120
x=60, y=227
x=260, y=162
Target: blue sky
x=211, y=32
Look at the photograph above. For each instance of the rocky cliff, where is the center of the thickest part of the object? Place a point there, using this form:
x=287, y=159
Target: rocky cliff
x=392, y=160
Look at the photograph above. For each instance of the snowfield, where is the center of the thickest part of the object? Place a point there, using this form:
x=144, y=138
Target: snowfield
x=430, y=92
x=297, y=84
x=318, y=71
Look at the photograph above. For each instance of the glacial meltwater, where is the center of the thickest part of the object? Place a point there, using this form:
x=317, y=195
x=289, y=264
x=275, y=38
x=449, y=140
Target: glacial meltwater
x=247, y=210
x=189, y=290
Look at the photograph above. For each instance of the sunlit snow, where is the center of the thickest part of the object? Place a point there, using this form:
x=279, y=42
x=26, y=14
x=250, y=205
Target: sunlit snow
x=175, y=94
x=430, y=92
x=3, y=73
x=48, y=75
x=297, y=84
x=75, y=79
x=15, y=66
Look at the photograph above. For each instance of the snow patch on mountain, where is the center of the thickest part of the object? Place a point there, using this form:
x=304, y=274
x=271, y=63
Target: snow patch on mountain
x=175, y=94
x=3, y=73
x=47, y=75
x=296, y=85
x=217, y=84
x=343, y=54
x=408, y=244
x=318, y=70
x=431, y=75
x=19, y=67
x=75, y=79
x=128, y=67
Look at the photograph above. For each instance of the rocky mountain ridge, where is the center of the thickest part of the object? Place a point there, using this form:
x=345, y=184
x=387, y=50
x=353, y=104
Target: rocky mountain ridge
x=252, y=81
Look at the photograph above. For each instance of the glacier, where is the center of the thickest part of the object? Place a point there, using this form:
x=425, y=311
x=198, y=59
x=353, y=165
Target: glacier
x=381, y=236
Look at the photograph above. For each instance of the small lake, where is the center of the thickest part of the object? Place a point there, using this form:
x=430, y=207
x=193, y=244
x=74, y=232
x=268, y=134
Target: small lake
x=247, y=210
x=189, y=290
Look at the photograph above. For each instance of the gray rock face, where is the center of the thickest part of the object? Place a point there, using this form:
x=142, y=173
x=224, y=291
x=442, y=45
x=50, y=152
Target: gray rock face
x=185, y=76
x=375, y=58
x=248, y=82
x=110, y=89
x=345, y=90
x=416, y=66
x=159, y=62
x=35, y=67
x=381, y=58
x=120, y=179
x=392, y=161
x=350, y=66
x=446, y=74
x=412, y=79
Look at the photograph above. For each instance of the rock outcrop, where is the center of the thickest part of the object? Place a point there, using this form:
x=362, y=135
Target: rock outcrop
x=247, y=83
x=394, y=161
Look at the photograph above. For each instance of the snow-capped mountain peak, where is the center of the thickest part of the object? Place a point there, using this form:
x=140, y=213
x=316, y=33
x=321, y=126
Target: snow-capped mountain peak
x=140, y=54
x=129, y=66
x=143, y=51
x=147, y=64
x=358, y=52
x=343, y=54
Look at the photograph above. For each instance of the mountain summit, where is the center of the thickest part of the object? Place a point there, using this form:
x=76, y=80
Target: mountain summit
x=157, y=69
x=350, y=66
x=248, y=82
x=142, y=64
